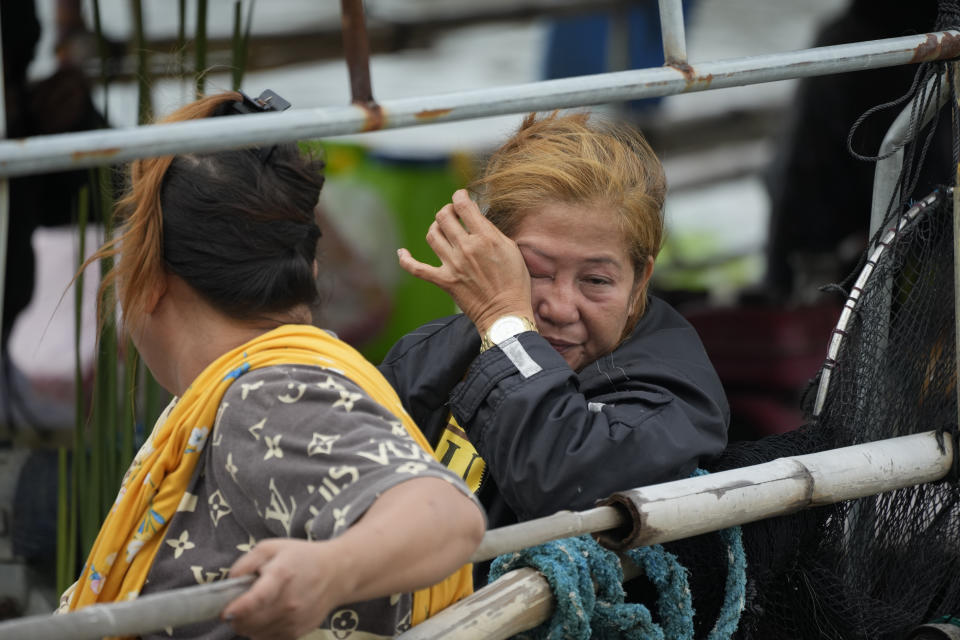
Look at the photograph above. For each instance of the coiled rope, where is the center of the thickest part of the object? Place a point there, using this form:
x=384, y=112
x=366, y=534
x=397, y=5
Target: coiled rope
x=587, y=583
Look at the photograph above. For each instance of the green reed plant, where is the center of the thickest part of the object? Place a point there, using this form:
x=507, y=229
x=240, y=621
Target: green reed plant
x=123, y=395
x=200, y=47
x=144, y=103
x=241, y=40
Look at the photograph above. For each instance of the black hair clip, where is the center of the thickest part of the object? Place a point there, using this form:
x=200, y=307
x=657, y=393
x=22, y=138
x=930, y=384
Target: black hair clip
x=266, y=101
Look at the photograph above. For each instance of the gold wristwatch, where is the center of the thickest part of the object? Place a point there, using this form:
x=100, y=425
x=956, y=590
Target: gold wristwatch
x=503, y=328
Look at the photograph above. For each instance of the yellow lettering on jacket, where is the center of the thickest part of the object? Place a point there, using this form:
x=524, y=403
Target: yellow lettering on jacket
x=456, y=452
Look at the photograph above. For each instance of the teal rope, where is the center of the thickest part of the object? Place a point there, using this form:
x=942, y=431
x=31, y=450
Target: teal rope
x=735, y=587
x=572, y=566
x=587, y=583
x=673, y=590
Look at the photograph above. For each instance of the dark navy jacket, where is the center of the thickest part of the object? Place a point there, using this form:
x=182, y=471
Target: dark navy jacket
x=558, y=439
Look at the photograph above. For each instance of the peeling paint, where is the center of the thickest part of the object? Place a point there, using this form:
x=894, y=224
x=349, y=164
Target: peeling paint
x=933, y=48
x=733, y=486
x=691, y=77
x=431, y=114
x=95, y=153
x=374, y=116
x=687, y=71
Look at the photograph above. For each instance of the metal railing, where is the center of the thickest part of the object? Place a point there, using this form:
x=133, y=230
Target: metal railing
x=43, y=154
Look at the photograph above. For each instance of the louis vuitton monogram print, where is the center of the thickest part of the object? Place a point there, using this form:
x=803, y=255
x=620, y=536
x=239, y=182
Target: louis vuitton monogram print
x=297, y=451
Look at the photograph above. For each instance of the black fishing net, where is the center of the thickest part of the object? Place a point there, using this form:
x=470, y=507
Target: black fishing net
x=875, y=567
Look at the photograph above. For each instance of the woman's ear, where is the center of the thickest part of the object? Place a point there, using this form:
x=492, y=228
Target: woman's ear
x=640, y=286
x=158, y=288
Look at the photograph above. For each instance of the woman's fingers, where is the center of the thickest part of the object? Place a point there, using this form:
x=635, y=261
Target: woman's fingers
x=429, y=273
x=252, y=599
x=481, y=269
x=285, y=601
x=440, y=244
x=448, y=223
x=251, y=561
x=469, y=213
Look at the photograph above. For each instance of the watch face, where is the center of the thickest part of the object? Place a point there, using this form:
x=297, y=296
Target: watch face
x=506, y=327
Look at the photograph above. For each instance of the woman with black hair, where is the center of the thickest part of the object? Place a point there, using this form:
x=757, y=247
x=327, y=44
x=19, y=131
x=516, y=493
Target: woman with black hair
x=284, y=452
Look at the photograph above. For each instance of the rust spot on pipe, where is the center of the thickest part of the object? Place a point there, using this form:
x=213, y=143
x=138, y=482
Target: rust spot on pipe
x=96, y=153
x=374, y=117
x=690, y=75
x=933, y=48
x=431, y=114
x=686, y=70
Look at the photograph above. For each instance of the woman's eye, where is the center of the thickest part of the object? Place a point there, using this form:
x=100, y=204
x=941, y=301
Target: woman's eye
x=595, y=281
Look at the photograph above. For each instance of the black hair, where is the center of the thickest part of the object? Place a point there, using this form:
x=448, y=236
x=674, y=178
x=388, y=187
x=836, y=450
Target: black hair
x=239, y=227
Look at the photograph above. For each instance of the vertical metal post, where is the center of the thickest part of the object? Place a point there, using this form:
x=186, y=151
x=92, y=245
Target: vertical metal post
x=4, y=194
x=955, y=69
x=356, y=49
x=200, y=48
x=887, y=171
x=671, y=29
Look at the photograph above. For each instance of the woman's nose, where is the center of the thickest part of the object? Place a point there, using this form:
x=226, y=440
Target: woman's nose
x=558, y=304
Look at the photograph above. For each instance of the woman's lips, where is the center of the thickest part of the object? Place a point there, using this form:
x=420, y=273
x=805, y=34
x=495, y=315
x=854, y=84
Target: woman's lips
x=560, y=345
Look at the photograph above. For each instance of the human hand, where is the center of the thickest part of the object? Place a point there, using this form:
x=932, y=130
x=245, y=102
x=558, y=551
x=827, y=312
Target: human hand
x=481, y=269
x=296, y=589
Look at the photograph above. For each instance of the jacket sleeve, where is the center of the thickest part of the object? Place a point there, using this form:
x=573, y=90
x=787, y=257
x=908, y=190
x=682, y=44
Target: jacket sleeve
x=425, y=365
x=555, y=439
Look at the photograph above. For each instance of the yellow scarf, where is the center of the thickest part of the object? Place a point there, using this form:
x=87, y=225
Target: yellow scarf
x=157, y=479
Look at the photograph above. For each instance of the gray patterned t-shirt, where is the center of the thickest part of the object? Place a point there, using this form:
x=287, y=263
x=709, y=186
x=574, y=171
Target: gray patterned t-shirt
x=296, y=451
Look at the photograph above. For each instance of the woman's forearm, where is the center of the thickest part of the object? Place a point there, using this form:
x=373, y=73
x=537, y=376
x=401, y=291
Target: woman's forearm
x=415, y=534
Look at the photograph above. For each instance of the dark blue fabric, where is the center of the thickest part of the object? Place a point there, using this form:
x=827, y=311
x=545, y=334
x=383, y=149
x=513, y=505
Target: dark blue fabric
x=577, y=45
x=545, y=448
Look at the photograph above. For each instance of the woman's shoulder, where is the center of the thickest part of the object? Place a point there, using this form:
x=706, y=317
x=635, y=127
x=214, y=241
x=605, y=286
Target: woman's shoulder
x=279, y=376
x=660, y=315
x=293, y=389
x=444, y=334
x=662, y=337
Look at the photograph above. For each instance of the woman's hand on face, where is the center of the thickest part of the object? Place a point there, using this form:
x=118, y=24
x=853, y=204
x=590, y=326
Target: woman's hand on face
x=481, y=269
x=295, y=591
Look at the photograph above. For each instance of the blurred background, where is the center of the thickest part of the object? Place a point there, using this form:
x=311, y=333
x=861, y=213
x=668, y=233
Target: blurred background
x=764, y=205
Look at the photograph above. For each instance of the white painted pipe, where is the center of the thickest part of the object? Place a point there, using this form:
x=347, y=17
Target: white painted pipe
x=671, y=28
x=93, y=148
x=687, y=508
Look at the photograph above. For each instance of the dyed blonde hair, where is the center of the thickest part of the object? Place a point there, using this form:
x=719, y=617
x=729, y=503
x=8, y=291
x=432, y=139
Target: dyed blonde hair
x=577, y=161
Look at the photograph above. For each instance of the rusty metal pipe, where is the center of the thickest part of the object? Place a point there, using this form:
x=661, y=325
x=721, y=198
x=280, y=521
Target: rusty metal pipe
x=74, y=150
x=356, y=49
